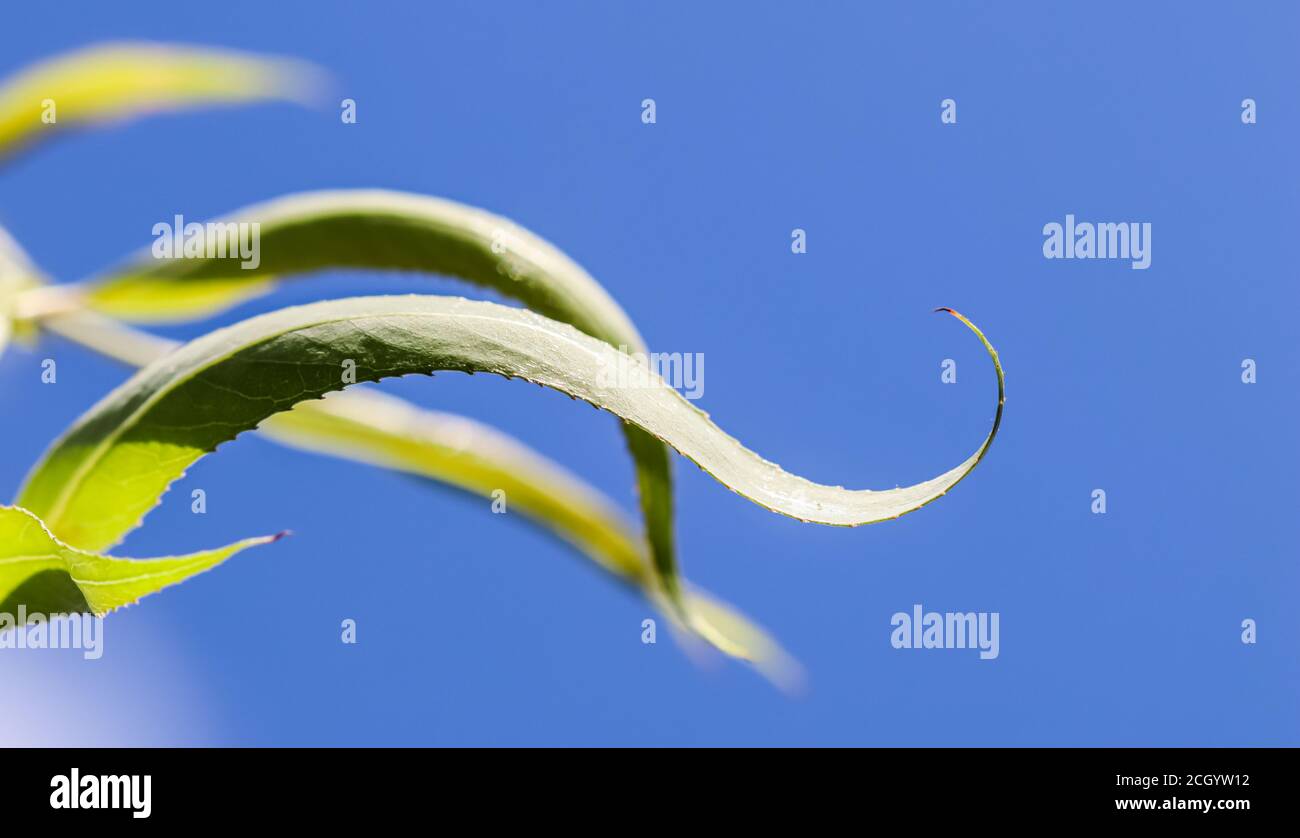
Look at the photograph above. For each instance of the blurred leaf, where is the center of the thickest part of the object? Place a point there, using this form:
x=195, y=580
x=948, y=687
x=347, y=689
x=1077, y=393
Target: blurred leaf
x=17, y=275
x=45, y=576
x=116, y=81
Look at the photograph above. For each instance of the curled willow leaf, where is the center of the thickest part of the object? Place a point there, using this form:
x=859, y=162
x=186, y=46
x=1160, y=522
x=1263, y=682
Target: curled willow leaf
x=97, y=482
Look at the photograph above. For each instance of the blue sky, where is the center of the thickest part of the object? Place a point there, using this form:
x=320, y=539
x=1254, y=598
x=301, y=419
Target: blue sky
x=474, y=628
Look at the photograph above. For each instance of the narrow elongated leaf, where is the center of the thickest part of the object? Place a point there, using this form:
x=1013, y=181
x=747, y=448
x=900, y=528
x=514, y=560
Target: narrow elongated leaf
x=115, y=81
x=111, y=468
x=384, y=230
x=45, y=576
x=368, y=229
x=371, y=427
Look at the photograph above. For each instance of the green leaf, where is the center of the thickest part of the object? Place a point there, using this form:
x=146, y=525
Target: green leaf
x=374, y=428
x=373, y=230
x=42, y=574
x=382, y=230
x=98, y=481
x=111, y=82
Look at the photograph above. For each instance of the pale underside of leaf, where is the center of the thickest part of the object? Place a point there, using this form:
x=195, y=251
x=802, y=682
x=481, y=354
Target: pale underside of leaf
x=111, y=468
x=116, y=81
